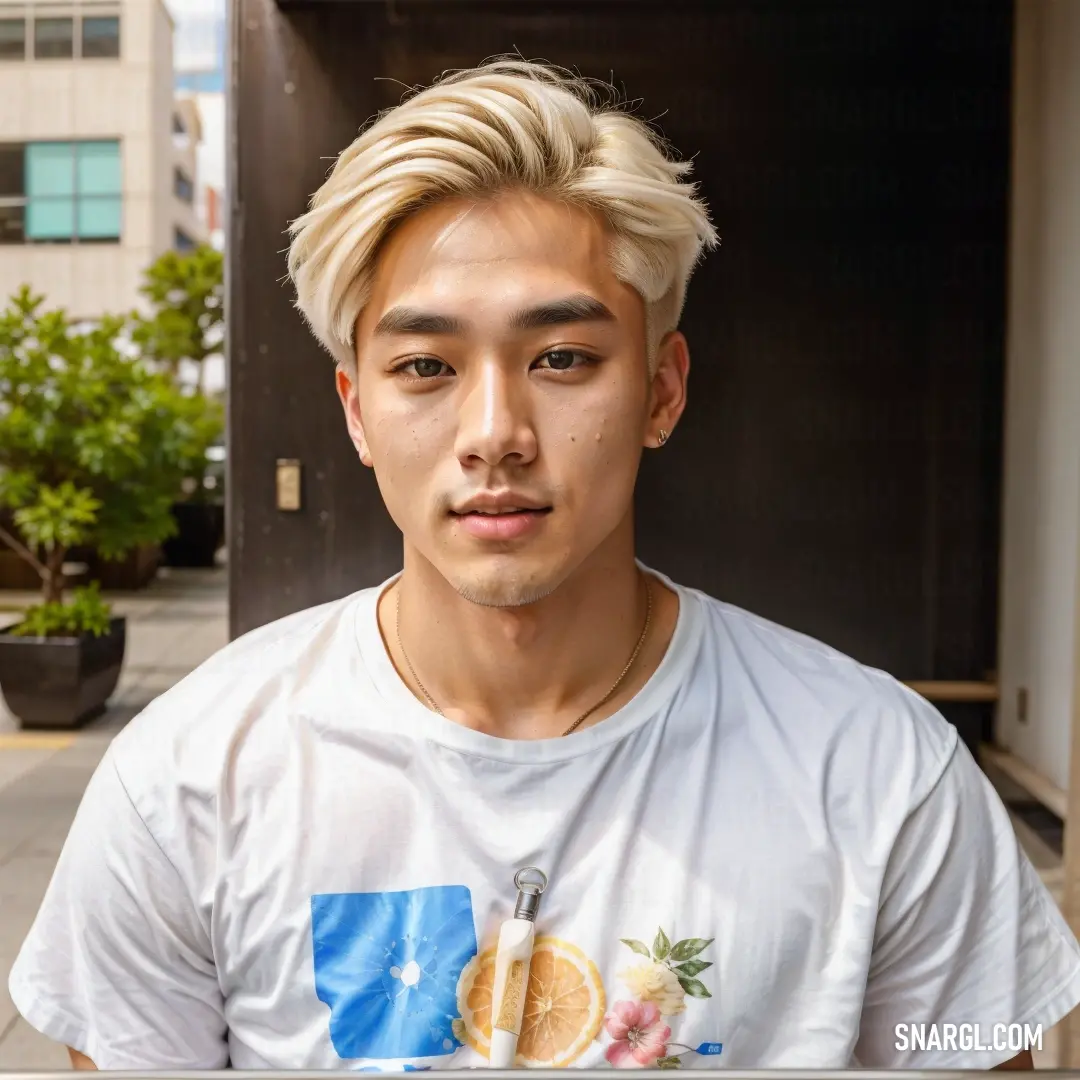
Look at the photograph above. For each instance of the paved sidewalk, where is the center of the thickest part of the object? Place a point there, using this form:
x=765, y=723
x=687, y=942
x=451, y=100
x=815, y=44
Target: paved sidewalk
x=173, y=626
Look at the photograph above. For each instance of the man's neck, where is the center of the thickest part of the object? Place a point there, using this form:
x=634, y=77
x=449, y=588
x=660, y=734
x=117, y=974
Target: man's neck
x=527, y=672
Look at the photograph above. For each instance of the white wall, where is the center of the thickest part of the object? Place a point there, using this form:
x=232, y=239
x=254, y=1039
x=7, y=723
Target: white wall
x=1041, y=542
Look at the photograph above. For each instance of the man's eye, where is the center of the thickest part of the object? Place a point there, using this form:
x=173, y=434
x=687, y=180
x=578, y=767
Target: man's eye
x=564, y=359
x=423, y=367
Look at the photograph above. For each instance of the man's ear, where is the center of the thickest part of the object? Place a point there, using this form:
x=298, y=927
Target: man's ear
x=346, y=388
x=668, y=389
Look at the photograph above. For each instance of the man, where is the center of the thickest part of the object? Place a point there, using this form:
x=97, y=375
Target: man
x=759, y=853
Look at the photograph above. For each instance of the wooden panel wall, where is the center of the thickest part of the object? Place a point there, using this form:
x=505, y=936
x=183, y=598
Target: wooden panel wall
x=838, y=469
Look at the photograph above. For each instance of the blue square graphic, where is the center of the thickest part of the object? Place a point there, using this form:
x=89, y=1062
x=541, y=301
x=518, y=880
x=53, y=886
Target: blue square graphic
x=387, y=965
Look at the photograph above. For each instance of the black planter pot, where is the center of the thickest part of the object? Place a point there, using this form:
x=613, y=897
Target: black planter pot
x=201, y=532
x=61, y=682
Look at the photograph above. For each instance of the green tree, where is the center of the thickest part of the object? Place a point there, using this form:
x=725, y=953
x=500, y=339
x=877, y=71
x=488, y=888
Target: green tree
x=186, y=323
x=186, y=320
x=93, y=444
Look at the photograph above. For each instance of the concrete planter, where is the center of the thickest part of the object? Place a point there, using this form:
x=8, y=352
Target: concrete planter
x=60, y=683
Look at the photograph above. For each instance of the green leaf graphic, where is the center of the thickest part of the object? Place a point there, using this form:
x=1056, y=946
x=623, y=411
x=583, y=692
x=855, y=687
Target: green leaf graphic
x=671, y=1062
x=661, y=946
x=693, y=967
x=693, y=987
x=690, y=947
x=638, y=946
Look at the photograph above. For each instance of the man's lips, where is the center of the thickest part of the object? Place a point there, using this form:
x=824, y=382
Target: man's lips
x=506, y=524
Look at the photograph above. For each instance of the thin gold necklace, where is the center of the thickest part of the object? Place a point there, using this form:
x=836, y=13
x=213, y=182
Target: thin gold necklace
x=588, y=712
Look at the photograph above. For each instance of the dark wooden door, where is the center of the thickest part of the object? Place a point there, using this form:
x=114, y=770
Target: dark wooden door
x=838, y=468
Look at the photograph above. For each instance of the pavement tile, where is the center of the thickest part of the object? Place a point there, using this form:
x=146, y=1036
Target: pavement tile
x=18, y=759
x=24, y=1049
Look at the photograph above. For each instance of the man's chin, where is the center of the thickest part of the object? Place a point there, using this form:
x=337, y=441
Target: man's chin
x=503, y=594
x=505, y=586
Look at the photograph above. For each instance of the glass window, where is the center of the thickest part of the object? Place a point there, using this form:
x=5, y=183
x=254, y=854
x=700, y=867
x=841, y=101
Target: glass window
x=183, y=242
x=12, y=192
x=101, y=36
x=50, y=169
x=12, y=170
x=178, y=125
x=54, y=39
x=99, y=218
x=182, y=187
x=12, y=39
x=73, y=191
x=97, y=170
x=12, y=223
x=50, y=219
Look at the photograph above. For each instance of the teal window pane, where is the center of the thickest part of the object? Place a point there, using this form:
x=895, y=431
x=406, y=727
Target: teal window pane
x=50, y=169
x=99, y=218
x=98, y=168
x=50, y=219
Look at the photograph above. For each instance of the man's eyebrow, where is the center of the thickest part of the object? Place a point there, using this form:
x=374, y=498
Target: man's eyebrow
x=406, y=320
x=571, y=309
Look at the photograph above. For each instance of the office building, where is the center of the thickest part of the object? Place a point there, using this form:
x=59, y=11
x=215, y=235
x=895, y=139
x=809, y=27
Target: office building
x=199, y=74
x=97, y=159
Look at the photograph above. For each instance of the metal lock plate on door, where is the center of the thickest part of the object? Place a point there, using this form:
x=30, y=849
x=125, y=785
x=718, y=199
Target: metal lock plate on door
x=288, y=484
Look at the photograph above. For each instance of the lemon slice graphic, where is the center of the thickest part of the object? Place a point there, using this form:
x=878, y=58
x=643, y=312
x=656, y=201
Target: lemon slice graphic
x=564, y=1004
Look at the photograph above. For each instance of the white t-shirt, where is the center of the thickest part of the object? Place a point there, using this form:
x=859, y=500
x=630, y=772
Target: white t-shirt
x=771, y=857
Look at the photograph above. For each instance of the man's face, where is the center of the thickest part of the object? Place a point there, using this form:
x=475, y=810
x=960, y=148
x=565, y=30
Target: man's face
x=502, y=394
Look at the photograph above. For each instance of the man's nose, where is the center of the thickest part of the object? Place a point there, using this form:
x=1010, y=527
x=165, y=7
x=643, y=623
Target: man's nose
x=495, y=421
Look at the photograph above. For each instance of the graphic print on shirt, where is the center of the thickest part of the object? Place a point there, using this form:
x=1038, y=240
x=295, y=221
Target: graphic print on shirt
x=387, y=965
x=659, y=986
x=403, y=978
x=564, y=1005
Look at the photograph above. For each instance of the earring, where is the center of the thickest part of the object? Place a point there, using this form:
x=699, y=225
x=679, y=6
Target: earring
x=662, y=437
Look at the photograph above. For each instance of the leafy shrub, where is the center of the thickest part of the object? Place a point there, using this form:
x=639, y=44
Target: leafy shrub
x=93, y=443
x=85, y=613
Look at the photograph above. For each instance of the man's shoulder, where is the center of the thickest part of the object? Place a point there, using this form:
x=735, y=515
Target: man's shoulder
x=187, y=734
x=831, y=708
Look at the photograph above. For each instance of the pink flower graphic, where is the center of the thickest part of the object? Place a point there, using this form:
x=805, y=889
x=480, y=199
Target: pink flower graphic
x=639, y=1033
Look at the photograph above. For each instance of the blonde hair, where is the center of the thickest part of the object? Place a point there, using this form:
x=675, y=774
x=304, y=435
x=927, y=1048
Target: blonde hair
x=508, y=124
